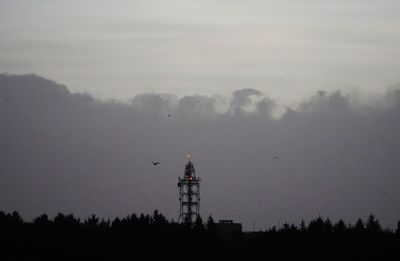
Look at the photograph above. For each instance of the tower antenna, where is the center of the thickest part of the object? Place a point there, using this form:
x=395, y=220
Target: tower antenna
x=189, y=194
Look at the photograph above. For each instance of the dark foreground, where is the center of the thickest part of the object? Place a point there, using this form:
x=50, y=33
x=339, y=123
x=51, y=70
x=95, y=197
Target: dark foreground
x=145, y=237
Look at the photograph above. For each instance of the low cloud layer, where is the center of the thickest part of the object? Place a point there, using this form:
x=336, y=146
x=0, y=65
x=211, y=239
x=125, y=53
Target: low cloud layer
x=65, y=152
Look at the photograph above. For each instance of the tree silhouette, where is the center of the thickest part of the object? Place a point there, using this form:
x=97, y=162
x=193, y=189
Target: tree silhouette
x=303, y=227
x=316, y=226
x=158, y=219
x=91, y=222
x=66, y=237
x=373, y=225
x=41, y=221
x=359, y=227
x=210, y=224
x=340, y=227
x=198, y=225
x=398, y=228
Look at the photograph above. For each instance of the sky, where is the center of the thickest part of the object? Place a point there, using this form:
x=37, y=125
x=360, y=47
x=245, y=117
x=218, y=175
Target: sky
x=71, y=153
x=288, y=49
x=289, y=108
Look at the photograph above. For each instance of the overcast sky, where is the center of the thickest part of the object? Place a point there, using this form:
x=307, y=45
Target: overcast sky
x=289, y=108
x=287, y=49
x=70, y=153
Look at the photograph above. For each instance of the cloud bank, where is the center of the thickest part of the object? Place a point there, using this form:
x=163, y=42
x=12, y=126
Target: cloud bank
x=68, y=152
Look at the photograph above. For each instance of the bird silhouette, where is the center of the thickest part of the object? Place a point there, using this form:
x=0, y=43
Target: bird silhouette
x=155, y=163
x=275, y=157
x=169, y=115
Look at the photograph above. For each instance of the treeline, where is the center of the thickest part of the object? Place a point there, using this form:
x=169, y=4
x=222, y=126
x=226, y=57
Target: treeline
x=320, y=225
x=134, y=237
x=65, y=237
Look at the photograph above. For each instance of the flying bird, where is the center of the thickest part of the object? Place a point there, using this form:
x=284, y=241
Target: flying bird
x=169, y=115
x=155, y=163
x=275, y=157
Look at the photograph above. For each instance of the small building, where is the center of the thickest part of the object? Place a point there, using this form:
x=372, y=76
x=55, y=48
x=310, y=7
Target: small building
x=226, y=229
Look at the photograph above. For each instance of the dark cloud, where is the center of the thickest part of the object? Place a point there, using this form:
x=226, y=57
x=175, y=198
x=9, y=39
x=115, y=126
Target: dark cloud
x=68, y=152
x=242, y=99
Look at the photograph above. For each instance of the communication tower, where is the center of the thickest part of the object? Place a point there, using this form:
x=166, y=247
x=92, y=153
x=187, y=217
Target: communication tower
x=189, y=194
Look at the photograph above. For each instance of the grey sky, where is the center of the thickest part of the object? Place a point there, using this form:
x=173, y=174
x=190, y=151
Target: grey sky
x=70, y=153
x=287, y=49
